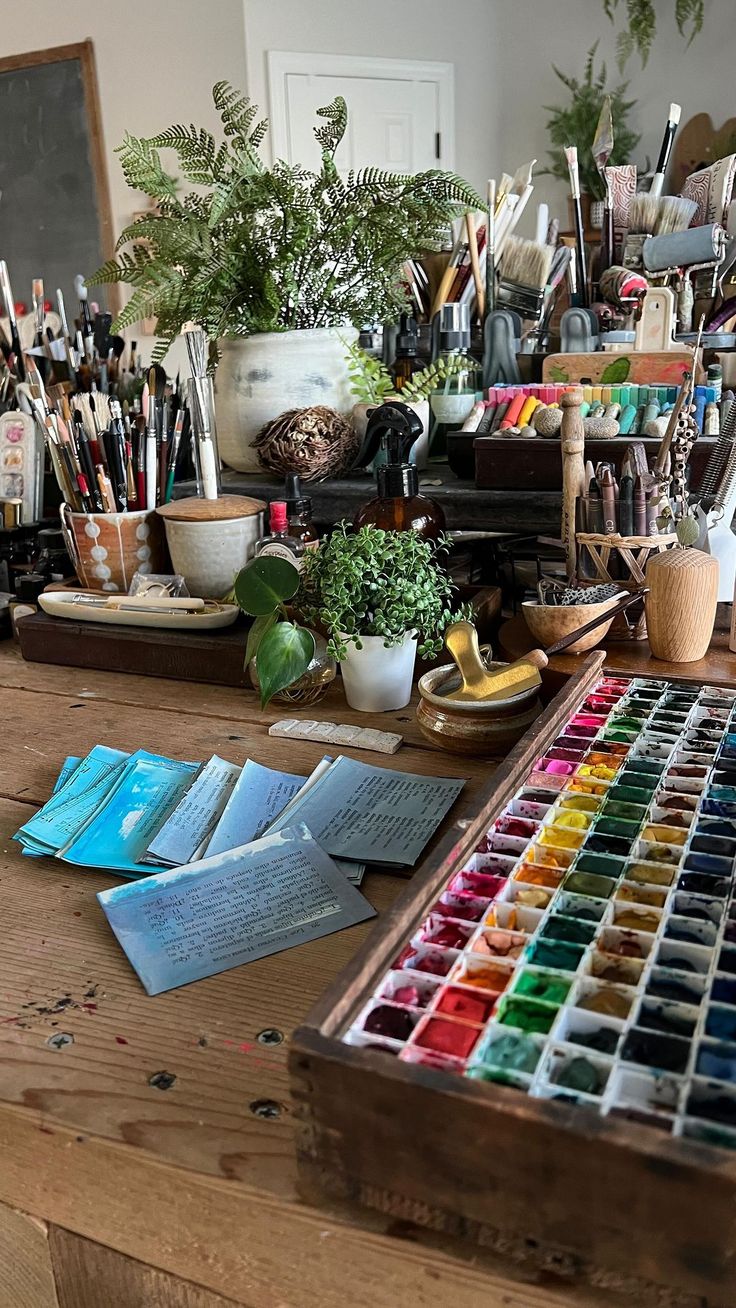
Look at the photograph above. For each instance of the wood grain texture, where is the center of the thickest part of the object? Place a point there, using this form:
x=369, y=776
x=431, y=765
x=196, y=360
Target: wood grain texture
x=87, y=1273
x=26, y=1278
x=188, y=1180
x=681, y=604
x=572, y=442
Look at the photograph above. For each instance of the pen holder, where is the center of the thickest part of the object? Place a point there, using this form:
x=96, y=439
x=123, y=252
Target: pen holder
x=622, y=560
x=107, y=549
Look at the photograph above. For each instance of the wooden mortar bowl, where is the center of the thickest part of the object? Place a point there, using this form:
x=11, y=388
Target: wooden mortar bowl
x=486, y=730
x=548, y=623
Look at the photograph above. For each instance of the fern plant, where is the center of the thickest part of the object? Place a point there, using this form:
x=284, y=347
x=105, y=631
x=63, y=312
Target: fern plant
x=372, y=383
x=641, y=18
x=576, y=123
x=259, y=249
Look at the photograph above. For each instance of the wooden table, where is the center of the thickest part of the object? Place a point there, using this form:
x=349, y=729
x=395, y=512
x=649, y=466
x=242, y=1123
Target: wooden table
x=115, y=1191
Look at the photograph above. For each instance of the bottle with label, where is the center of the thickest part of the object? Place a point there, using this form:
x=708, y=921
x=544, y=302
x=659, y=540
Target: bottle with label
x=299, y=513
x=392, y=430
x=279, y=542
x=407, y=361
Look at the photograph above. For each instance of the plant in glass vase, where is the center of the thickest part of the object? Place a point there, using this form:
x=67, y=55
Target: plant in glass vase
x=284, y=660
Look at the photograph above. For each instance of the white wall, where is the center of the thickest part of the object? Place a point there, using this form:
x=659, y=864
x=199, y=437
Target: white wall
x=503, y=51
x=457, y=31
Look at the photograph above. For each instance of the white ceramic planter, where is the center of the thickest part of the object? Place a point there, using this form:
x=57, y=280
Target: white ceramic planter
x=259, y=377
x=210, y=554
x=377, y=679
x=419, y=453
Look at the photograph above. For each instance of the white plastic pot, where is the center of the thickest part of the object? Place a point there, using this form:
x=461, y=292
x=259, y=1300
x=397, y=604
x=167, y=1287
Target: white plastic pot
x=260, y=377
x=377, y=679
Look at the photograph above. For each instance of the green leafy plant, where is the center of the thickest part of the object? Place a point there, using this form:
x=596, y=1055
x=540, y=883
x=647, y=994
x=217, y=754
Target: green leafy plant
x=281, y=648
x=377, y=583
x=371, y=381
x=575, y=124
x=641, y=30
x=257, y=249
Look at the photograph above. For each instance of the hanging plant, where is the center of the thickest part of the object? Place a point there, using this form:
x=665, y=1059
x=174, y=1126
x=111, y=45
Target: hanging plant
x=641, y=17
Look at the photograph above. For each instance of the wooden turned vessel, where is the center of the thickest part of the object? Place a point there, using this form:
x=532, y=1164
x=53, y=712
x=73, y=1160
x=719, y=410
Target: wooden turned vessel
x=681, y=604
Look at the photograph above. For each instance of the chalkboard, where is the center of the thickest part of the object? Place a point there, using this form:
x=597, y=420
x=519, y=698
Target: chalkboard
x=55, y=218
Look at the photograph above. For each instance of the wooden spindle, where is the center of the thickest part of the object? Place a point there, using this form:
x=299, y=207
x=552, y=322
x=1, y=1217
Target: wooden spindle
x=572, y=439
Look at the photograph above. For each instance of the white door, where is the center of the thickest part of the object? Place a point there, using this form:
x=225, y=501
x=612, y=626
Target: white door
x=399, y=113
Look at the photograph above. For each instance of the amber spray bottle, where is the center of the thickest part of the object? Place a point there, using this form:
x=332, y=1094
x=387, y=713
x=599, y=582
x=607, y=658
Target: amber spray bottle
x=392, y=430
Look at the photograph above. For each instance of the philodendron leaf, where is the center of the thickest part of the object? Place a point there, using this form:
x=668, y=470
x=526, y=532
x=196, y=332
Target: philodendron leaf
x=260, y=626
x=284, y=654
x=264, y=583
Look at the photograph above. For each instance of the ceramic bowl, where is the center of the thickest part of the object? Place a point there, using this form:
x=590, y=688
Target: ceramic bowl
x=486, y=730
x=549, y=623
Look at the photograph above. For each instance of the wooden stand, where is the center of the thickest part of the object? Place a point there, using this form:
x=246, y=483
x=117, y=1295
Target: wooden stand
x=572, y=440
x=634, y=552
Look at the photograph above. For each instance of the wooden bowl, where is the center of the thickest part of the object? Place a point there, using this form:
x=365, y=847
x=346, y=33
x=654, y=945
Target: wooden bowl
x=549, y=623
x=472, y=727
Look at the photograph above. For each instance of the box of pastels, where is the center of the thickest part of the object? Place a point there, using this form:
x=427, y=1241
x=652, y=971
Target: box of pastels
x=536, y=1049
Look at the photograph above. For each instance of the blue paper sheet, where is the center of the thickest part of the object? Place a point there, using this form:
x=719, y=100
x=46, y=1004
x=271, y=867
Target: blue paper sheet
x=192, y=922
x=117, y=835
x=74, y=803
x=260, y=795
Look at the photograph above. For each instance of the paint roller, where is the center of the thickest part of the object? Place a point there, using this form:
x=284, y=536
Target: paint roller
x=696, y=245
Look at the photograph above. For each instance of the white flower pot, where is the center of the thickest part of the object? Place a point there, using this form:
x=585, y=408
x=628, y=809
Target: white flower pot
x=260, y=377
x=377, y=679
x=419, y=452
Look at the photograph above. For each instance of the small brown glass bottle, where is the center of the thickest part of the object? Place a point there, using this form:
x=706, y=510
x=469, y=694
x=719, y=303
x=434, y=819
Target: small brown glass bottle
x=299, y=513
x=398, y=505
x=406, y=362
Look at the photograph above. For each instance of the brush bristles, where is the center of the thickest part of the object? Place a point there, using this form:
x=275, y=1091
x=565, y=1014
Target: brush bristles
x=525, y=263
x=675, y=214
x=643, y=214
x=675, y=111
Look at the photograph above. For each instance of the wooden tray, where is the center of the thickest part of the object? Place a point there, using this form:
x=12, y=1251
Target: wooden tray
x=518, y=463
x=610, y=1199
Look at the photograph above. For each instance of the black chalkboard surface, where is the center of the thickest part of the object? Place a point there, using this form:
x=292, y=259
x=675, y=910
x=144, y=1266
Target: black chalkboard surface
x=54, y=206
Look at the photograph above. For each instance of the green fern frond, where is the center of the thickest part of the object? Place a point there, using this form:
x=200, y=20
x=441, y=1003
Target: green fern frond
x=330, y=135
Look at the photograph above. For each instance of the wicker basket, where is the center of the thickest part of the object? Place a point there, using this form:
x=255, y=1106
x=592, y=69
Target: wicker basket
x=633, y=553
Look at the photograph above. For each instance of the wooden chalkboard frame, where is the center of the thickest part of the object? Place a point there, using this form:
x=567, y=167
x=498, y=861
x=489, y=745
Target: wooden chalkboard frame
x=84, y=52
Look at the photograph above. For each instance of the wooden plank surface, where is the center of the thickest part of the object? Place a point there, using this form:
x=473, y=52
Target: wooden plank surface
x=82, y=1268
x=26, y=1277
x=188, y=1179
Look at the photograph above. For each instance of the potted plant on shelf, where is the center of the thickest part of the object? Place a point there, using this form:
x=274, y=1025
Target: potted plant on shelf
x=276, y=264
x=284, y=660
x=372, y=384
x=377, y=594
x=576, y=123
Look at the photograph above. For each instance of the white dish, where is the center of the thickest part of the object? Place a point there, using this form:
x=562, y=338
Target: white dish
x=60, y=604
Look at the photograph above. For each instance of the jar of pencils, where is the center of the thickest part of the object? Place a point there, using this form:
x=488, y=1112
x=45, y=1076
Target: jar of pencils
x=623, y=560
x=107, y=549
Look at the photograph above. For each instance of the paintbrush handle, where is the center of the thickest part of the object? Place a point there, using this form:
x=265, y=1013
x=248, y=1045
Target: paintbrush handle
x=607, y=616
x=475, y=262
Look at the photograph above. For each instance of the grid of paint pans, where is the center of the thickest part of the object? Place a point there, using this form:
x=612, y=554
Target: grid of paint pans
x=587, y=950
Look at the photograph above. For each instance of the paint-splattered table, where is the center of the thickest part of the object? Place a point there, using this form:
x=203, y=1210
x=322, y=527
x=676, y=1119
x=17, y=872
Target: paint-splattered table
x=148, y=1160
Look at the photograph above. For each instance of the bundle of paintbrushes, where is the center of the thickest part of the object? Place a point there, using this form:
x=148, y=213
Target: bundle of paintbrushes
x=105, y=459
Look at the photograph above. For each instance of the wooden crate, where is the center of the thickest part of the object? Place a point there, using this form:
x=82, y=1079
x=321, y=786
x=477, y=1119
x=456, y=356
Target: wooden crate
x=587, y=1195
x=533, y=463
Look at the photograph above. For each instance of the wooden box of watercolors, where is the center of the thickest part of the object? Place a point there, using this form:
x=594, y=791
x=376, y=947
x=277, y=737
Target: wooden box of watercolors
x=536, y=1048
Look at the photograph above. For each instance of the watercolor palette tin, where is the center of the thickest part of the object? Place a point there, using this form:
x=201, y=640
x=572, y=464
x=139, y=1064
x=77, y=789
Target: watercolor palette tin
x=555, y=1003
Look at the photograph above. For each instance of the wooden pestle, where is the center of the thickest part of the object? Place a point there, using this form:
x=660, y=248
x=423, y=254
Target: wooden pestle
x=572, y=440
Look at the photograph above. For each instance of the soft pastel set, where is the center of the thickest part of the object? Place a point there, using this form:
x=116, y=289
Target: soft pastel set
x=586, y=951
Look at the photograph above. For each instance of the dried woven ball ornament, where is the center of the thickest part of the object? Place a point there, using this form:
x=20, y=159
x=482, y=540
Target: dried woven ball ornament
x=315, y=442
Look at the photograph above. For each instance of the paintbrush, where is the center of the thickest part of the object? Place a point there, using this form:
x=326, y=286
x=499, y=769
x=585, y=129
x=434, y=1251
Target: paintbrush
x=200, y=408
x=39, y=312
x=475, y=263
x=602, y=151
x=673, y=119
x=173, y=455
x=151, y=443
x=87, y=329
x=491, y=247
x=525, y=269
x=9, y=304
x=674, y=214
x=571, y=155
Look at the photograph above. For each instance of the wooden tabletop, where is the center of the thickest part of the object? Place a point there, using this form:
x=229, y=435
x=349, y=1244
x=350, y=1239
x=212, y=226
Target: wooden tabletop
x=631, y=657
x=183, y=1196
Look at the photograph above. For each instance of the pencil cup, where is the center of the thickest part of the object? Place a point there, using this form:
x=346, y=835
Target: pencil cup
x=107, y=549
